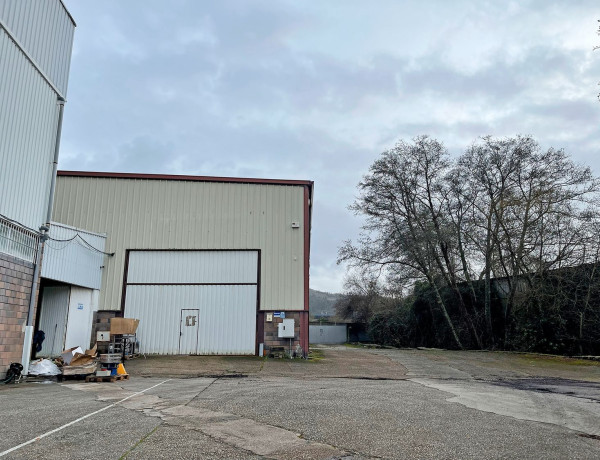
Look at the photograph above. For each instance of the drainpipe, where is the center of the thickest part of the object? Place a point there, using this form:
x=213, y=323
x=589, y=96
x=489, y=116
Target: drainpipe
x=61, y=108
x=44, y=229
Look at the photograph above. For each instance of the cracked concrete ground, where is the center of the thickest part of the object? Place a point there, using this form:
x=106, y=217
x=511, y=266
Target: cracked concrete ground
x=353, y=403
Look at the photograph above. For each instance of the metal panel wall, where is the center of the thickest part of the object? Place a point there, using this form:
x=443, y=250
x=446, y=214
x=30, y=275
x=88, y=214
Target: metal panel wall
x=226, y=322
x=73, y=261
x=27, y=134
x=328, y=333
x=167, y=267
x=53, y=319
x=162, y=214
x=45, y=30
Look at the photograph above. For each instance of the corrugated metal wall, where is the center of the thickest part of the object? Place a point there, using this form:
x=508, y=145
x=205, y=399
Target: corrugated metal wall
x=226, y=322
x=161, y=214
x=167, y=267
x=29, y=103
x=72, y=261
x=27, y=134
x=53, y=319
x=328, y=333
x=45, y=29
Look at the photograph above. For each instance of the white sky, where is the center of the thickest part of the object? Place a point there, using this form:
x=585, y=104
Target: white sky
x=317, y=90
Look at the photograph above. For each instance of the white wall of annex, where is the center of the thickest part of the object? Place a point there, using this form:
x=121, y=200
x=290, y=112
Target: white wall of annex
x=71, y=260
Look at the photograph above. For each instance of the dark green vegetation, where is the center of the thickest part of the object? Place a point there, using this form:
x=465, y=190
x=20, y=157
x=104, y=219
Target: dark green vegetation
x=498, y=248
x=322, y=304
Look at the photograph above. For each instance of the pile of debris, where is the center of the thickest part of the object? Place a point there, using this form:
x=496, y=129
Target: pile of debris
x=89, y=364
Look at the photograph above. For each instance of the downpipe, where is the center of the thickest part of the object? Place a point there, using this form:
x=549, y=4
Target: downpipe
x=44, y=229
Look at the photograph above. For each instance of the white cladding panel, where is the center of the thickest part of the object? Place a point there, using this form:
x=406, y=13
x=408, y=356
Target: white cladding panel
x=53, y=319
x=328, y=333
x=226, y=322
x=73, y=261
x=27, y=133
x=192, y=267
x=45, y=30
x=163, y=214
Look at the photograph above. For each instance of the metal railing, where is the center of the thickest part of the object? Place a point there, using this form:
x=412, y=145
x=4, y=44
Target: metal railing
x=17, y=241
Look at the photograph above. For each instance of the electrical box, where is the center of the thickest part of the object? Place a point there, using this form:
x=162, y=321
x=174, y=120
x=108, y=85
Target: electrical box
x=286, y=329
x=103, y=336
x=295, y=224
x=269, y=317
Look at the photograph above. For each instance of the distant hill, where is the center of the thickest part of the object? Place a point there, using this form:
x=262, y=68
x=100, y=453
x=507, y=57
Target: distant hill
x=322, y=303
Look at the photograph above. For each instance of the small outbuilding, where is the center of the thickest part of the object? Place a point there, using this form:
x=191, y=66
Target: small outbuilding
x=209, y=265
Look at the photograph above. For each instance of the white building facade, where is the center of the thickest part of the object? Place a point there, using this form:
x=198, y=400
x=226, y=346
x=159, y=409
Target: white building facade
x=36, y=39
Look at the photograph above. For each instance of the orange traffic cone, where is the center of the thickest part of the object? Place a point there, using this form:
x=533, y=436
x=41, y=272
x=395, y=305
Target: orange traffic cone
x=121, y=369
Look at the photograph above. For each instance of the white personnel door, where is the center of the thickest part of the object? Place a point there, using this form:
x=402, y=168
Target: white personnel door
x=188, y=331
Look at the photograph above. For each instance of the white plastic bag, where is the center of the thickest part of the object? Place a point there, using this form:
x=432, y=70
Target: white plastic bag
x=43, y=367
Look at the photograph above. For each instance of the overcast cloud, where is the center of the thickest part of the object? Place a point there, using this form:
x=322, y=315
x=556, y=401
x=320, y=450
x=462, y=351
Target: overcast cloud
x=317, y=90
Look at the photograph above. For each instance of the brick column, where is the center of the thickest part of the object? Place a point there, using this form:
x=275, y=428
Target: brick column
x=16, y=278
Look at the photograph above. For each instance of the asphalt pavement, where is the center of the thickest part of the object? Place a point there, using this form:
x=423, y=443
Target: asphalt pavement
x=429, y=404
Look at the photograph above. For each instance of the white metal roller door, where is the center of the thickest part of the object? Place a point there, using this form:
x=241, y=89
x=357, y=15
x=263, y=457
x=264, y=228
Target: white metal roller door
x=193, y=301
x=53, y=319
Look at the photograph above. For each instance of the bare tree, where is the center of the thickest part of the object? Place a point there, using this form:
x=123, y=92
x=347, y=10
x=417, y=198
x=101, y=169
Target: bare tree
x=505, y=213
x=405, y=233
x=528, y=206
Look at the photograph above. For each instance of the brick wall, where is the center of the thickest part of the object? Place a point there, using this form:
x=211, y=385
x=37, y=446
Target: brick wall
x=101, y=322
x=16, y=278
x=271, y=332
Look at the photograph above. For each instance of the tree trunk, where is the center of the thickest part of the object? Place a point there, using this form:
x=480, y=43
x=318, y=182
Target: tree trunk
x=440, y=303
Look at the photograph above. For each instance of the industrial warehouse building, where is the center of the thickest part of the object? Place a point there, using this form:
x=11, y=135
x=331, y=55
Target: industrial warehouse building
x=208, y=265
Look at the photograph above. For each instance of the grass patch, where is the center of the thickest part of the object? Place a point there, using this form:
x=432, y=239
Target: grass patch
x=353, y=345
x=315, y=355
x=532, y=358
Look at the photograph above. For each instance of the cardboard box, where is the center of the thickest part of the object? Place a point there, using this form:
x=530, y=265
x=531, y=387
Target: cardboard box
x=123, y=326
x=85, y=369
x=76, y=357
x=69, y=354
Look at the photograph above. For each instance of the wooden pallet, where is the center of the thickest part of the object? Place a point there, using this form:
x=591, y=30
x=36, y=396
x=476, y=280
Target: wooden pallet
x=106, y=378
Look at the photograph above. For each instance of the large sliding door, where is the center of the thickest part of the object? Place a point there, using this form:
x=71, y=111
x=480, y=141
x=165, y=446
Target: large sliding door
x=201, y=302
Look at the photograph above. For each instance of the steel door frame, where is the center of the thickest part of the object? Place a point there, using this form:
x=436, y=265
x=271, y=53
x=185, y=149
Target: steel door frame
x=182, y=310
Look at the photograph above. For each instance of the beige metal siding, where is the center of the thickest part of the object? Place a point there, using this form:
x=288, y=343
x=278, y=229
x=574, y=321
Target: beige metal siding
x=45, y=30
x=27, y=134
x=162, y=214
